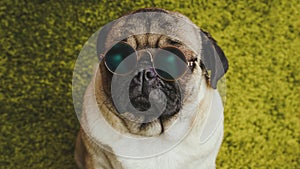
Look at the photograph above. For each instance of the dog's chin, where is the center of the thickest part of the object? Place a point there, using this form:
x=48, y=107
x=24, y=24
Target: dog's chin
x=155, y=127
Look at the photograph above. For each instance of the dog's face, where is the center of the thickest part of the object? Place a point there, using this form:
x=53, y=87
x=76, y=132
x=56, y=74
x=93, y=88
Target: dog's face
x=146, y=100
x=143, y=80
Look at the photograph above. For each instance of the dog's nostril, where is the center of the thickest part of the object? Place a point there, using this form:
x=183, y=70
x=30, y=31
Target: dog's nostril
x=150, y=74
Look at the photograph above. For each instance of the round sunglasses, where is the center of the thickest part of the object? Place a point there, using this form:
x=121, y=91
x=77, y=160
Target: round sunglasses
x=168, y=62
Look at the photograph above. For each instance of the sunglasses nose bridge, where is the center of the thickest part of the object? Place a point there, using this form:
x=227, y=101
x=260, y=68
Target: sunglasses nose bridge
x=144, y=61
x=145, y=56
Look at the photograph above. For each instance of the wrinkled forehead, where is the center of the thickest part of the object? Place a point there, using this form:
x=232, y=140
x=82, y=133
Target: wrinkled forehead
x=173, y=25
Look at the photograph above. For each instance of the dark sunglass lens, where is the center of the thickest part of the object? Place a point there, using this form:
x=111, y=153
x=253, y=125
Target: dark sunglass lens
x=120, y=58
x=170, y=63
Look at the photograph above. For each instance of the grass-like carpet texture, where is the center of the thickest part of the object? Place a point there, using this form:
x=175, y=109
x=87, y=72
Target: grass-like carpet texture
x=40, y=41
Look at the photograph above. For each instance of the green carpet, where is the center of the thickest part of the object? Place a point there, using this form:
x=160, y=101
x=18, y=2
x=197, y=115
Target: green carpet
x=40, y=41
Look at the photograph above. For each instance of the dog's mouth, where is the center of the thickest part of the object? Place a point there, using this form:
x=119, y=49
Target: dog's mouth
x=141, y=103
x=143, y=111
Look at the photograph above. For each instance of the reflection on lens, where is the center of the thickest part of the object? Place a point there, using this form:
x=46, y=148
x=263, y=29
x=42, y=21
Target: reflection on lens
x=164, y=74
x=170, y=63
x=120, y=59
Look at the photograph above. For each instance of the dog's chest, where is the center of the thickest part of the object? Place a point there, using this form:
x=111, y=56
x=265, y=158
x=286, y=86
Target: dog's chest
x=189, y=154
x=176, y=158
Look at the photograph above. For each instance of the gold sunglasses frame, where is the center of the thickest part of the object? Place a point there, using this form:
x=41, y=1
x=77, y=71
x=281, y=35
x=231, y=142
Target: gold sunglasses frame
x=188, y=63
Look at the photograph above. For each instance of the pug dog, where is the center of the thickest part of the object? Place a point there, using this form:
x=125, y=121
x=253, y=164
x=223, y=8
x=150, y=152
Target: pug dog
x=156, y=82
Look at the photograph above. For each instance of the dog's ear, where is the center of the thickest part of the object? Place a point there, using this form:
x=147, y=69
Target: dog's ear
x=213, y=58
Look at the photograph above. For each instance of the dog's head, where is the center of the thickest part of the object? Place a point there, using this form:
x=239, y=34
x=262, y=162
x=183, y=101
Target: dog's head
x=153, y=63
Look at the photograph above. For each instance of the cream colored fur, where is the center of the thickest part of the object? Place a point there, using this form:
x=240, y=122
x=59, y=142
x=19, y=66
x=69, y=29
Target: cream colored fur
x=190, y=153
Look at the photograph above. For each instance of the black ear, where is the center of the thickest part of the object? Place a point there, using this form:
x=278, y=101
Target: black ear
x=213, y=58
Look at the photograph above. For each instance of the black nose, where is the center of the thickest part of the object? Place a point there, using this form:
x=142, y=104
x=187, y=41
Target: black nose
x=145, y=75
